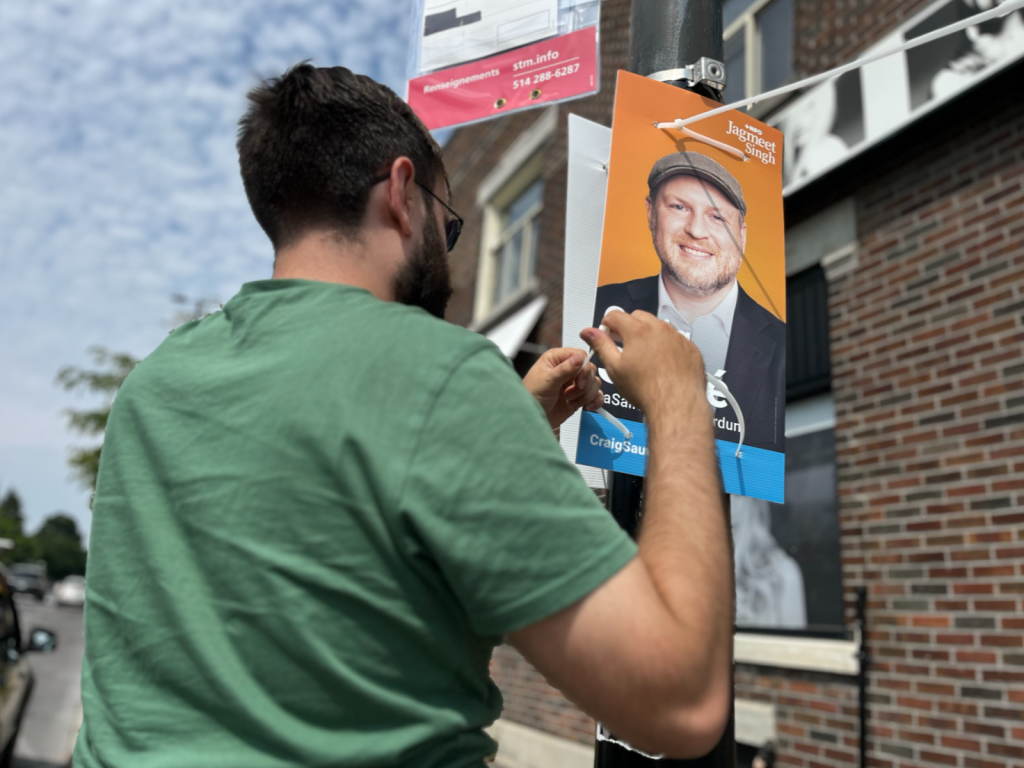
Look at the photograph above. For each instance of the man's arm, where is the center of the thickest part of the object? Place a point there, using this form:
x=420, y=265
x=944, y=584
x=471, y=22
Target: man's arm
x=649, y=652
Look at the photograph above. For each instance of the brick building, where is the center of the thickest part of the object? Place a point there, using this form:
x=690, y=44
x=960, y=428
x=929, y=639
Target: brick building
x=906, y=353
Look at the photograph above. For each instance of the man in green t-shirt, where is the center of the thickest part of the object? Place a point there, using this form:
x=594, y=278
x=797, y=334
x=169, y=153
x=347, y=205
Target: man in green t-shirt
x=320, y=508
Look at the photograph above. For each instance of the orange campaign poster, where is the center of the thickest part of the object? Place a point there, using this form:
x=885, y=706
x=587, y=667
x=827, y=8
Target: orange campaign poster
x=694, y=234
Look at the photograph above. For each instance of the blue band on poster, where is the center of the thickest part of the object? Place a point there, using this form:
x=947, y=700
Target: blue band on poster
x=602, y=445
x=758, y=472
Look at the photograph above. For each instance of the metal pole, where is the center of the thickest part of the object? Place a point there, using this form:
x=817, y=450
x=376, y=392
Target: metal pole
x=864, y=657
x=670, y=34
x=666, y=36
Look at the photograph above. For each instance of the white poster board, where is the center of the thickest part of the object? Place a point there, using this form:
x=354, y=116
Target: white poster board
x=590, y=146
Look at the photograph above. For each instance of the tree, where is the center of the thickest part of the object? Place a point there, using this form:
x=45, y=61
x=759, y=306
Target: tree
x=11, y=521
x=192, y=308
x=26, y=548
x=112, y=369
x=60, y=545
x=11, y=518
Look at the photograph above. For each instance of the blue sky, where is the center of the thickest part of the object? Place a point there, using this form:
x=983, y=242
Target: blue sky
x=119, y=183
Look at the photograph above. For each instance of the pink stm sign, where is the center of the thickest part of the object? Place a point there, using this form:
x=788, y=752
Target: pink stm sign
x=552, y=70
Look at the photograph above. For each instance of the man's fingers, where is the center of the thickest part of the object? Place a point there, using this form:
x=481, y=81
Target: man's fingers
x=625, y=326
x=617, y=320
x=566, y=369
x=586, y=384
x=586, y=377
x=602, y=344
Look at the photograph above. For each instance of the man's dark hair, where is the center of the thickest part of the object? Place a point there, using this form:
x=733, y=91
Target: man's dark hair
x=312, y=142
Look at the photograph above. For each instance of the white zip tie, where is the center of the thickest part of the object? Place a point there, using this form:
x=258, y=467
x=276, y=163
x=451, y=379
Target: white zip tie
x=721, y=387
x=615, y=423
x=996, y=13
x=678, y=125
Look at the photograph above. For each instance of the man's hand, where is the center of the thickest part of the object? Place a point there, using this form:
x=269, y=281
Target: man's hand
x=656, y=366
x=561, y=386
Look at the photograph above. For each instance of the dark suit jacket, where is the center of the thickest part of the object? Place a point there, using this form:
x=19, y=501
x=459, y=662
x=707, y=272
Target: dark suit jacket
x=755, y=364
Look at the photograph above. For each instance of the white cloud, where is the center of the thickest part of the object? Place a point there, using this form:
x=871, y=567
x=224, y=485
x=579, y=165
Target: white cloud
x=119, y=183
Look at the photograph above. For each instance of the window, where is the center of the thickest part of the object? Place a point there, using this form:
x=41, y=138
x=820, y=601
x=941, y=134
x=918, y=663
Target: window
x=758, y=46
x=808, y=362
x=515, y=253
x=511, y=234
x=511, y=198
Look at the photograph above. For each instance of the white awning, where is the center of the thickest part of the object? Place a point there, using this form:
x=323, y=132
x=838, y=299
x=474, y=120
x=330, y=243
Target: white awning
x=511, y=332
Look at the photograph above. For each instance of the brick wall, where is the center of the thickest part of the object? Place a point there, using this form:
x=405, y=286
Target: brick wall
x=832, y=32
x=817, y=714
x=469, y=156
x=928, y=378
x=530, y=700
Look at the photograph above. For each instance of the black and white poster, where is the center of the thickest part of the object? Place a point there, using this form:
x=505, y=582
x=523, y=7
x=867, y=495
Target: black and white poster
x=787, y=557
x=835, y=120
x=827, y=128
x=942, y=68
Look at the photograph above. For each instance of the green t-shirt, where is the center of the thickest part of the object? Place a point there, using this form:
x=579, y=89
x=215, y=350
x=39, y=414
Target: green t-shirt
x=316, y=515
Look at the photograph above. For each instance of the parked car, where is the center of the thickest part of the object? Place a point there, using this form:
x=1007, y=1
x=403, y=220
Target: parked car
x=70, y=591
x=30, y=578
x=15, y=671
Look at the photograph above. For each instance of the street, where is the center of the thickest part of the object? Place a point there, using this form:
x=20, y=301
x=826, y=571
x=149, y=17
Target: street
x=54, y=712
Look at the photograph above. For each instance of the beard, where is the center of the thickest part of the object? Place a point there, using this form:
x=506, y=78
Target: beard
x=425, y=280
x=699, y=278
x=705, y=278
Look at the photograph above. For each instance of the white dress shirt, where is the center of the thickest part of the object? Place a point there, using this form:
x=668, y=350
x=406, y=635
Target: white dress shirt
x=709, y=332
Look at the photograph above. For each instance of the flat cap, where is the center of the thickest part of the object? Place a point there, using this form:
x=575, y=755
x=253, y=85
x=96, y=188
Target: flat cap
x=701, y=166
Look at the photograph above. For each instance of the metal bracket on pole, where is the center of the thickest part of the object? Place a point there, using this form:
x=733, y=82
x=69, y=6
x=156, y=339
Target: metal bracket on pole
x=707, y=71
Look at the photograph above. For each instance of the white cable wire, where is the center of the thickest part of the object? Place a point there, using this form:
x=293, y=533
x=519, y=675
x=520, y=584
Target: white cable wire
x=724, y=389
x=1000, y=11
x=616, y=423
x=678, y=125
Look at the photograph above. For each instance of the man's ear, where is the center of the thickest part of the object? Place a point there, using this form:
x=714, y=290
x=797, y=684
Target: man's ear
x=651, y=215
x=743, y=236
x=401, y=193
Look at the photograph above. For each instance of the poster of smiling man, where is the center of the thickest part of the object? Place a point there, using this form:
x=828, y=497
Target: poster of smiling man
x=693, y=234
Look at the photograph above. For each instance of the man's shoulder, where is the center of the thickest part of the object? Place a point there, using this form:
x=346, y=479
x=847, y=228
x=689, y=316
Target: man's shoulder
x=420, y=333
x=634, y=289
x=387, y=336
x=763, y=319
x=372, y=327
x=641, y=293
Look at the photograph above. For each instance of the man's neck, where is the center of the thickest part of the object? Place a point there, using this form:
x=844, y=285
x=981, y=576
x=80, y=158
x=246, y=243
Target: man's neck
x=689, y=305
x=327, y=258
